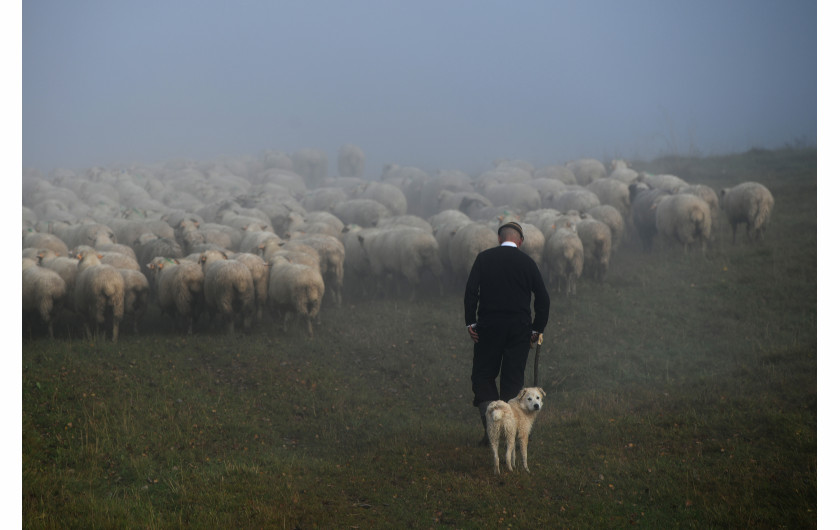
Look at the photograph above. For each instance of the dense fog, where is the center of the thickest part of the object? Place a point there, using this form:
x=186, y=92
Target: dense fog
x=434, y=84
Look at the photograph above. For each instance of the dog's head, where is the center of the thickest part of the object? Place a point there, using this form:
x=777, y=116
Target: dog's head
x=531, y=398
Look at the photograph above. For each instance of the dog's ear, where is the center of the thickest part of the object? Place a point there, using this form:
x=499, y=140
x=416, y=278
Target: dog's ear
x=542, y=392
x=521, y=394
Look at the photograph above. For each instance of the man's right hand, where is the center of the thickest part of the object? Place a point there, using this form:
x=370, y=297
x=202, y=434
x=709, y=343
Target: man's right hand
x=473, y=333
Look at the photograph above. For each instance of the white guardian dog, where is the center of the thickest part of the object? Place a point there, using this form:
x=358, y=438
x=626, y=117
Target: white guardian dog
x=515, y=419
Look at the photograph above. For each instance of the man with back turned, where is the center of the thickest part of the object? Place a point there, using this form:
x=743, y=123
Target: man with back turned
x=499, y=287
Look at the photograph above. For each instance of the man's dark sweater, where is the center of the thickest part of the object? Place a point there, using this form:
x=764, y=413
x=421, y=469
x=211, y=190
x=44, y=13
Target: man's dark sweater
x=504, y=278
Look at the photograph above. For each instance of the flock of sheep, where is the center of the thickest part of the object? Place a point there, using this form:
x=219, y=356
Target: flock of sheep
x=240, y=240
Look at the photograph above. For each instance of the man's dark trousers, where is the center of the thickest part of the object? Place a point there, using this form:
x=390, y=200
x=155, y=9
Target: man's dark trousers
x=502, y=345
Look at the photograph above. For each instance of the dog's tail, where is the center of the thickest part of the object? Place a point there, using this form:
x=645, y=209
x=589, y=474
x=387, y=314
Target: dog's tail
x=494, y=410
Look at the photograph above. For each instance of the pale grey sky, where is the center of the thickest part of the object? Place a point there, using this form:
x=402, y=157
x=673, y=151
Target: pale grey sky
x=433, y=84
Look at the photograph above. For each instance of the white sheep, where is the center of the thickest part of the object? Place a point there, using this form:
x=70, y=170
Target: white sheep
x=580, y=200
x=666, y=182
x=520, y=196
x=136, y=296
x=750, y=203
x=612, y=192
x=311, y=164
x=386, y=194
x=405, y=253
x=686, y=219
x=597, y=247
x=544, y=219
x=48, y=241
x=563, y=259
x=622, y=172
x=467, y=242
x=363, y=212
x=331, y=253
x=228, y=289
x=259, y=274
x=559, y=173
x=323, y=199
x=351, y=161
x=298, y=289
x=468, y=202
x=179, y=286
x=319, y=222
x=587, y=169
x=118, y=260
x=444, y=229
x=91, y=234
x=644, y=202
x=99, y=294
x=612, y=218
x=43, y=293
x=404, y=221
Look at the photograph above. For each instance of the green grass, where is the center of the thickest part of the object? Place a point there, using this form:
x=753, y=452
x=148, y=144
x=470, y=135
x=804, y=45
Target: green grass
x=681, y=392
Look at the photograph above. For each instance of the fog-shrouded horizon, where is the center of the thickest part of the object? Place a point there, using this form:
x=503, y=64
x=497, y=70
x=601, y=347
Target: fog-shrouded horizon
x=437, y=85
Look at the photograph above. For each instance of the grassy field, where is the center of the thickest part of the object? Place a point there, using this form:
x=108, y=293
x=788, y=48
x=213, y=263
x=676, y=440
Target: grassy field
x=681, y=392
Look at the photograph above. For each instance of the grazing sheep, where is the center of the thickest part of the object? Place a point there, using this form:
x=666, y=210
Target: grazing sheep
x=118, y=248
x=468, y=241
x=311, y=164
x=48, y=241
x=644, y=202
x=298, y=289
x=520, y=196
x=118, y=260
x=351, y=161
x=179, y=286
x=91, y=234
x=99, y=294
x=563, y=259
x=127, y=232
x=612, y=192
x=622, y=172
x=612, y=218
x=356, y=263
x=404, y=253
x=331, y=253
x=363, y=212
x=323, y=199
x=685, y=219
x=259, y=273
x=669, y=183
x=324, y=223
x=704, y=192
x=43, y=293
x=750, y=203
x=386, y=194
x=597, y=242
x=580, y=200
x=136, y=296
x=534, y=242
x=587, y=169
x=544, y=219
x=228, y=289
x=405, y=221
x=158, y=247
x=559, y=173
x=67, y=268
x=467, y=202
